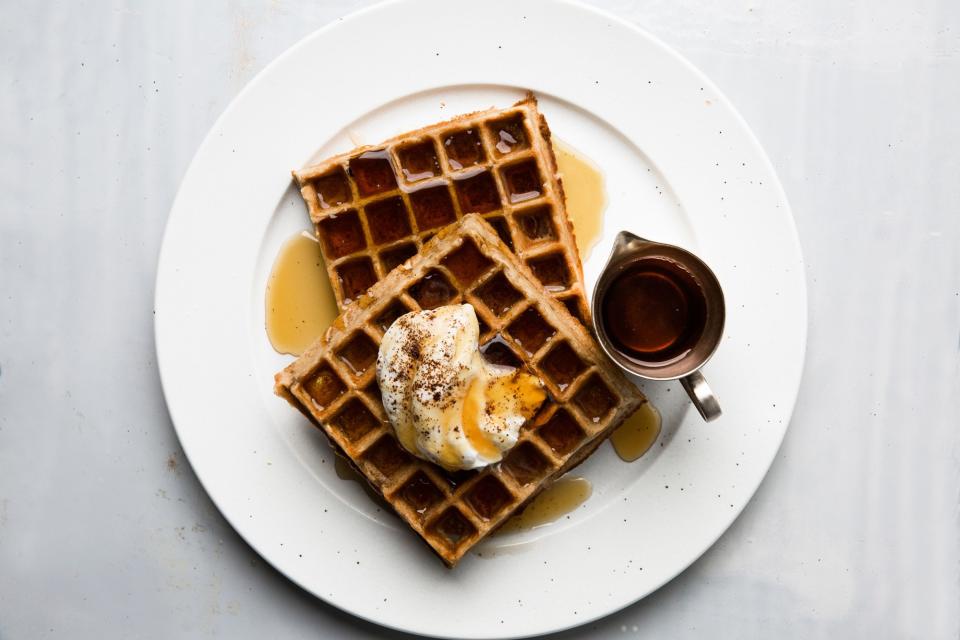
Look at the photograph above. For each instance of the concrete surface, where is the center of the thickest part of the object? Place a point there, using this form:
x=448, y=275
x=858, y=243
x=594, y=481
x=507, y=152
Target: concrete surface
x=104, y=531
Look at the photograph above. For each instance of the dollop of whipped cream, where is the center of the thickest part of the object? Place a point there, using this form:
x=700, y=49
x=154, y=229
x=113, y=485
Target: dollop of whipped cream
x=446, y=403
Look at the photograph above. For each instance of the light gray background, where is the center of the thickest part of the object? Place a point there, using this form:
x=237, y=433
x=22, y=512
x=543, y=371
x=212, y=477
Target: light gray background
x=104, y=530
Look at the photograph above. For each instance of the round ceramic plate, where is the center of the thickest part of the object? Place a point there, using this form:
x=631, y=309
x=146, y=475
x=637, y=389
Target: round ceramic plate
x=680, y=166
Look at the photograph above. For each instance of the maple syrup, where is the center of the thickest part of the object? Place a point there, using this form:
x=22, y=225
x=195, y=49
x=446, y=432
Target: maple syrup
x=299, y=301
x=556, y=501
x=418, y=161
x=510, y=133
x=433, y=290
x=347, y=473
x=522, y=181
x=586, y=197
x=464, y=149
x=467, y=263
x=654, y=311
x=637, y=434
x=373, y=172
x=477, y=191
x=432, y=207
x=497, y=351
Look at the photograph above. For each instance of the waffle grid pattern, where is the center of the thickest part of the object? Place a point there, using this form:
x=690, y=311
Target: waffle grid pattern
x=377, y=206
x=335, y=384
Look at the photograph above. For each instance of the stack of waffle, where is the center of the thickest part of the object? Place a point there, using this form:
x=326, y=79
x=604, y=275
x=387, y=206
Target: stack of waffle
x=466, y=211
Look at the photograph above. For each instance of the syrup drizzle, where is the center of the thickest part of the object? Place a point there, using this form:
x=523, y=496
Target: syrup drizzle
x=299, y=301
x=637, y=434
x=583, y=186
x=556, y=501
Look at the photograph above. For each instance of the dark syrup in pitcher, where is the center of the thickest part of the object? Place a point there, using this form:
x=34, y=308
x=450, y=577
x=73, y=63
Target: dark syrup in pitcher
x=654, y=311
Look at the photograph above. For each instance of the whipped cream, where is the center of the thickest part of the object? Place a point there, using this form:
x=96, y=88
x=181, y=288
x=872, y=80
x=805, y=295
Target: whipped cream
x=446, y=403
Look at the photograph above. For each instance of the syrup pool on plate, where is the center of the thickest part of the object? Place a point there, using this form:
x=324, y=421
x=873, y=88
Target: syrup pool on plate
x=586, y=196
x=637, y=434
x=556, y=501
x=299, y=301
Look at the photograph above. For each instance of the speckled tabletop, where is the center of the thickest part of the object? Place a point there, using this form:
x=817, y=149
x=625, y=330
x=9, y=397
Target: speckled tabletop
x=104, y=530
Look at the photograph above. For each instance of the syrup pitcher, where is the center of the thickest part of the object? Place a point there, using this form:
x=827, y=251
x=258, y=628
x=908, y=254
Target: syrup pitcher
x=658, y=312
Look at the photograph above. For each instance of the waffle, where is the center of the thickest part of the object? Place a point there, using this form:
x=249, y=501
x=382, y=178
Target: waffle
x=376, y=206
x=334, y=383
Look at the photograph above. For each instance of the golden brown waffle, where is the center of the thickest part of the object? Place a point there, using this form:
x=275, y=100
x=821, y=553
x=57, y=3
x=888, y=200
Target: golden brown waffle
x=376, y=206
x=335, y=384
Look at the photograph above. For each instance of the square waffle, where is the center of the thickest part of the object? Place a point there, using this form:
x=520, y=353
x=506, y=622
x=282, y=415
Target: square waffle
x=376, y=206
x=334, y=383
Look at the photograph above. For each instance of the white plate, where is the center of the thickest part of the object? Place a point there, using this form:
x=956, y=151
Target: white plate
x=680, y=165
